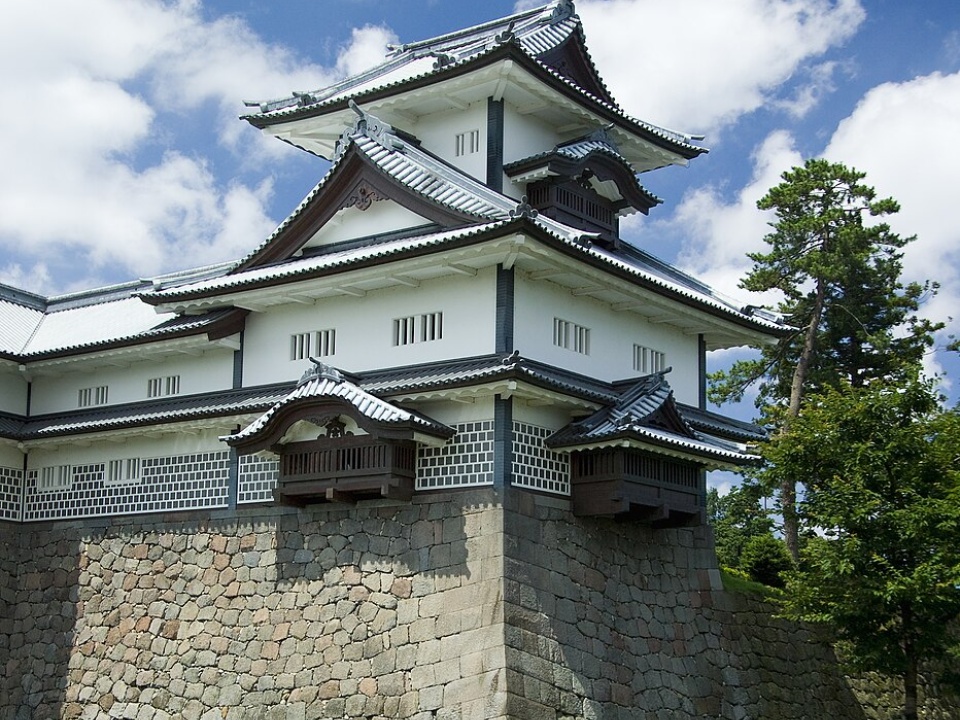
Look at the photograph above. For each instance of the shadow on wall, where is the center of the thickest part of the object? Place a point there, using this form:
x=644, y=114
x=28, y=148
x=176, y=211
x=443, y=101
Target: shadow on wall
x=38, y=610
x=246, y=613
x=623, y=621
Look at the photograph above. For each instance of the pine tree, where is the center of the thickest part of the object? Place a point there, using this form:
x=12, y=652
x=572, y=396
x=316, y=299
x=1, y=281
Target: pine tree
x=838, y=269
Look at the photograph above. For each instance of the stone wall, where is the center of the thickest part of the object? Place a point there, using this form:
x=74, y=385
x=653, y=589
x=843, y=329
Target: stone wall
x=462, y=605
x=377, y=611
x=621, y=621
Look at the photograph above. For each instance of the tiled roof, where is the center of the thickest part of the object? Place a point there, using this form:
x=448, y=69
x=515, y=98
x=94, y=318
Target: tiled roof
x=648, y=414
x=428, y=176
x=533, y=33
x=597, y=144
x=487, y=368
x=324, y=383
x=153, y=412
x=336, y=259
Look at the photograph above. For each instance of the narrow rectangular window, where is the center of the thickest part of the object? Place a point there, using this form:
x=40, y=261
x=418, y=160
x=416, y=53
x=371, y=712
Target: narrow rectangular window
x=88, y=397
x=300, y=346
x=326, y=342
x=570, y=336
x=163, y=386
x=467, y=142
x=55, y=477
x=126, y=470
x=403, y=330
x=418, y=328
x=647, y=361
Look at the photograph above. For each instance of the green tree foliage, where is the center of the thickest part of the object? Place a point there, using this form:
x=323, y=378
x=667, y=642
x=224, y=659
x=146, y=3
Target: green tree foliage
x=882, y=470
x=765, y=559
x=737, y=517
x=838, y=270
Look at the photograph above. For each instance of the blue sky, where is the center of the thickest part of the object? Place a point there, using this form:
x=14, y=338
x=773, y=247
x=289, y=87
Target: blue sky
x=123, y=155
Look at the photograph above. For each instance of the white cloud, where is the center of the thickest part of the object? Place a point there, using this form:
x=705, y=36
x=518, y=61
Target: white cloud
x=718, y=235
x=706, y=63
x=98, y=161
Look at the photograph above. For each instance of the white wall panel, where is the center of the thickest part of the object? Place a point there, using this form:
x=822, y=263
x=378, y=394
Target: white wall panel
x=612, y=336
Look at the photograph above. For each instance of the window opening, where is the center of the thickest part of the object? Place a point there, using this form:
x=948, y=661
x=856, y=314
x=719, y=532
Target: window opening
x=570, y=336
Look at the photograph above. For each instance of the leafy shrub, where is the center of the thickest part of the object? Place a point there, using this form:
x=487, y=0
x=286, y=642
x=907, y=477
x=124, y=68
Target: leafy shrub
x=764, y=558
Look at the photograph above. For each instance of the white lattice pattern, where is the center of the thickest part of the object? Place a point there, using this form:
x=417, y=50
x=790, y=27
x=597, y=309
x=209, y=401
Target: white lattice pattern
x=536, y=466
x=467, y=459
x=11, y=480
x=181, y=482
x=258, y=478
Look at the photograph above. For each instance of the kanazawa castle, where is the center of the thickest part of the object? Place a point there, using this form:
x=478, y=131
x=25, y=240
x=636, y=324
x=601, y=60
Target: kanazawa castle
x=452, y=306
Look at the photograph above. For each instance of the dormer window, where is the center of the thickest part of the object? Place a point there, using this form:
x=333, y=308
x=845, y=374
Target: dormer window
x=467, y=143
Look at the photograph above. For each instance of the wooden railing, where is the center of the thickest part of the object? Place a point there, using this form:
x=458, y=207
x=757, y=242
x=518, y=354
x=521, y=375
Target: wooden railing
x=346, y=468
x=615, y=481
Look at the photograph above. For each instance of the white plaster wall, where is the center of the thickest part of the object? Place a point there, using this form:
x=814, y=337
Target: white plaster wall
x=523, y=136
x=350, y=223
x=213, y=370
x=10, y=457
x=13, y=392
x=453, y=413
x=612, y=336
x=364, y=327
x=545, y=416
x=167, y=445
x=437, y=132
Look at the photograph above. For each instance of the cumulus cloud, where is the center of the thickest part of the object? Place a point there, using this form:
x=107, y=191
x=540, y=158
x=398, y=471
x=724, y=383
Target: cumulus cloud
x=717, y=234
x=706, y=63
x=95, y=165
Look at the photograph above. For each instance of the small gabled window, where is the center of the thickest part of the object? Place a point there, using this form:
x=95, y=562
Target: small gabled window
x=570, y=336
x=163, y=386
x=467, y=143
x=126, y=470
x=88, y=397
x=647, y=361
x=418, y=328
x=55, y=477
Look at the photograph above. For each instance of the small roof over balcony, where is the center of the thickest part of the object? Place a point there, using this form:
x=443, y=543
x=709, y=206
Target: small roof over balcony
x=323, y=394
x=647, y=417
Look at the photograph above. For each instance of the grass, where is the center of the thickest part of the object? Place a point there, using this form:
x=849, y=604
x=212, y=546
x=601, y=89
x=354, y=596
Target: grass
x=734, y=581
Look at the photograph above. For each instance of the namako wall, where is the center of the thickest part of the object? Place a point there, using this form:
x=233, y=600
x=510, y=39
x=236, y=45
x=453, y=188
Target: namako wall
x=468, y=605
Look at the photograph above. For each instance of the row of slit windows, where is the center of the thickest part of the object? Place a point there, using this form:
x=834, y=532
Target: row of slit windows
x=407, y=330
x=156, y=387
x=576, y=338
x=60, y=477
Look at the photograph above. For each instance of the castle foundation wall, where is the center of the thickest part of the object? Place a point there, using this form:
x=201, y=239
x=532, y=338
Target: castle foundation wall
x=473, y=605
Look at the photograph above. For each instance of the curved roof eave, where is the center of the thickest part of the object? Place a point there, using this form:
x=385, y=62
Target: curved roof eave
x=669, y=141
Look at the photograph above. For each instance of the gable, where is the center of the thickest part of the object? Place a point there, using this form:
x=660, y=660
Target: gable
x=374, y=216
x=354, y=182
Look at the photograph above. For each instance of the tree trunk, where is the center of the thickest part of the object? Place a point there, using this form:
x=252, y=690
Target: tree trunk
x=788, y=488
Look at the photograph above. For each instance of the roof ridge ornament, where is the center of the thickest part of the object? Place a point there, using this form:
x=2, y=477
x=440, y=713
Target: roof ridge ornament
x=320, y=371
x=512, y=360
x=563, y=10
x=507, y=35
x=369, y=125
x=524, y=210
x=443, y=59
x=603, y=135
